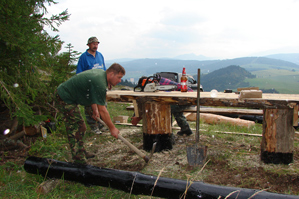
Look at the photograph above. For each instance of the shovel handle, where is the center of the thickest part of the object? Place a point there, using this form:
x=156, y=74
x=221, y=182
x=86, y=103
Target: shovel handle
x=146, y=158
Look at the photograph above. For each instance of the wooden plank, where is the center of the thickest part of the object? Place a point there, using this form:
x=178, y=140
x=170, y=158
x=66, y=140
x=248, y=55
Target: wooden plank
x=222, y=99
x=226, y=111
x=135, y=105
x=295, y=116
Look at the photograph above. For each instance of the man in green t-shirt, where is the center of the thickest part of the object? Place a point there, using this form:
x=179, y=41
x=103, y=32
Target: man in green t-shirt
x=86, y=88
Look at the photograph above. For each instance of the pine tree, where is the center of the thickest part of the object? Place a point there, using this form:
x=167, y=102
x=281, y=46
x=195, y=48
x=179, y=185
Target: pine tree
x=26, y=51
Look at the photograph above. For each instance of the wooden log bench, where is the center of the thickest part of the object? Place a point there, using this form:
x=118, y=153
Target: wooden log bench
x=280, y=114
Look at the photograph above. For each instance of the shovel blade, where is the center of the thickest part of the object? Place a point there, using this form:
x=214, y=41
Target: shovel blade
x=196, y=154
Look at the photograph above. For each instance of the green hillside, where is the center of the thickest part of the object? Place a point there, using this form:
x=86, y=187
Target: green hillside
x=284, y=81
x=233, y=77
x=270, y=73
x=230, y=77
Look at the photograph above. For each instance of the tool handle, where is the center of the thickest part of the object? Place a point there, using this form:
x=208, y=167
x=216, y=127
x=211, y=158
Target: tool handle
x=198, y=107
x=146, y=158
x=133, y=148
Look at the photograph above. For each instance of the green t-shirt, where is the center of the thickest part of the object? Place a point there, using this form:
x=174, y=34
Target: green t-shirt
x=85, y=88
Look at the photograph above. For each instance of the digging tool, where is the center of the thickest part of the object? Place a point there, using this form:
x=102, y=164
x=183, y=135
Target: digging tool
x=196, y=154
x=145, y=157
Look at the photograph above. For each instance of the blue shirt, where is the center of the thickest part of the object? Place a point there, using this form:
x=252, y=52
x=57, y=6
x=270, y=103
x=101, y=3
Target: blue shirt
x=87, y=61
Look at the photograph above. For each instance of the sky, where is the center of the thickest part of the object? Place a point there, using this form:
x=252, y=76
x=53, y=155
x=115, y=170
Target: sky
x=218, y=29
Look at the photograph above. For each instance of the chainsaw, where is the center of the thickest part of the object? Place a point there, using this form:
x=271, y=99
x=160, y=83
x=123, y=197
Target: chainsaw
x=151, y=84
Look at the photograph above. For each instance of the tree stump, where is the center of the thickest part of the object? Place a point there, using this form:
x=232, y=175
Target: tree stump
x=278, y=136
x=157, y=126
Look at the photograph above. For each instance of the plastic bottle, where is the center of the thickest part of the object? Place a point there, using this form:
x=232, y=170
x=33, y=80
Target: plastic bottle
x=184, y=81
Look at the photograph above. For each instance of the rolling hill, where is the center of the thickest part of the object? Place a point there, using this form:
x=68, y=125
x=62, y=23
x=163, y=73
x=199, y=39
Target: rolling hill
x=275, y=74
x=137, y=68
x=231, y=77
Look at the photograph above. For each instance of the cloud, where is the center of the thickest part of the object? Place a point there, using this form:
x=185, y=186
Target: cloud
x=153, y=29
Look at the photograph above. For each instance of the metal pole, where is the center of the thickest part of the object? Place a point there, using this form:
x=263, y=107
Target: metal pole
x=198, y=107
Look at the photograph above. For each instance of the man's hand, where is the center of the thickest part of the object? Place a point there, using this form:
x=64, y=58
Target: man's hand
x=114, y=132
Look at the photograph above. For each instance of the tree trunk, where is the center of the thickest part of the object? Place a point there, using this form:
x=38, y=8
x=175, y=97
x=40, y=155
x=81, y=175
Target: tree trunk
x=157, y=126
x=278, y=136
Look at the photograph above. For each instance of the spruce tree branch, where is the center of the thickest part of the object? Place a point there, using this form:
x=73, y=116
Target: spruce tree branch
x=8, y=93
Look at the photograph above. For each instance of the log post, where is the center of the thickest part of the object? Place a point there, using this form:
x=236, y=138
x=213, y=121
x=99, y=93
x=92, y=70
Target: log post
x=157, y=126
x=278, y=136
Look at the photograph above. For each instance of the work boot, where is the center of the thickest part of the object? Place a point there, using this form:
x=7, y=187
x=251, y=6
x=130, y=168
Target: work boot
x=79, y=160
x=96, y=130
x=89, y=155
x=103, y=128
x=186, y=132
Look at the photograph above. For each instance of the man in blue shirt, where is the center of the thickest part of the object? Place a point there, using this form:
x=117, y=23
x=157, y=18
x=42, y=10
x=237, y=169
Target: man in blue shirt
x=91, y=59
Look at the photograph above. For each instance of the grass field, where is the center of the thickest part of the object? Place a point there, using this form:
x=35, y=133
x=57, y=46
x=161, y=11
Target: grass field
x=284, y=81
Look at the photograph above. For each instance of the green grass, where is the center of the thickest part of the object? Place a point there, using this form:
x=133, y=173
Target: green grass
x=284, y=81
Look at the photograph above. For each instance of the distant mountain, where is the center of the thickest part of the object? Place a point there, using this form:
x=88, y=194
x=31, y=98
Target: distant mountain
x=192, y=56
x=231, y=77
x=290, y=57
x=139, y=67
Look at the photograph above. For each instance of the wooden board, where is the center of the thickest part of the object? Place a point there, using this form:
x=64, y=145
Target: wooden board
x=222, y=99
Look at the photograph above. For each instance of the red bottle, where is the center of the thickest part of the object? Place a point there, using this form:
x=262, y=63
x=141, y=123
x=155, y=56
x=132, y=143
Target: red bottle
x=184, y=81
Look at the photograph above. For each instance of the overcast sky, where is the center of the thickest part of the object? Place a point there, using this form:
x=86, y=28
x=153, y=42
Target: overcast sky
x=221, y=29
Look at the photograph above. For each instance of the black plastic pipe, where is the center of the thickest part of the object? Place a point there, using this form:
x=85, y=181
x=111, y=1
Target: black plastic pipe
x=138, y=183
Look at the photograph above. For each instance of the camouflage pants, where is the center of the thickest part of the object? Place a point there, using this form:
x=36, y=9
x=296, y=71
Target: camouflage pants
x=89, y=120
x=177, y=112
x=75, y=128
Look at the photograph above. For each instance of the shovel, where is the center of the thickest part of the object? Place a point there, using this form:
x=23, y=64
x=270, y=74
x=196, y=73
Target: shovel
x=196, y=154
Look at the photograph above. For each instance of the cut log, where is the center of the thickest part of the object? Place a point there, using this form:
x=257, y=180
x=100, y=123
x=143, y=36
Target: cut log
x=247, y=88
x=32, y=130
x=138, y=183
x=245, y=94
x=9, y=144
x=14, y=125
x=17, y=136
x=157, y=118
x=278, y=136
x=216, y=119
x=47, y=186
